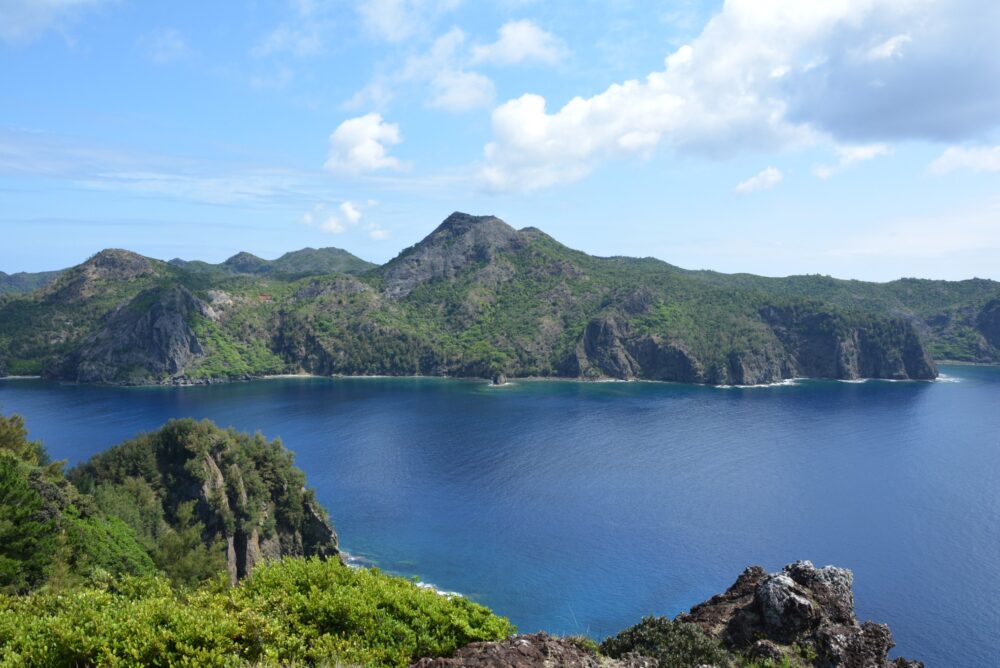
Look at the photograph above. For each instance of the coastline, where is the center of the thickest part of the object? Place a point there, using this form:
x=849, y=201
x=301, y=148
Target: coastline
x=511, y=380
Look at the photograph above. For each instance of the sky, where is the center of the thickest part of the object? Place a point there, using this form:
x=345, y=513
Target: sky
x=854, y=138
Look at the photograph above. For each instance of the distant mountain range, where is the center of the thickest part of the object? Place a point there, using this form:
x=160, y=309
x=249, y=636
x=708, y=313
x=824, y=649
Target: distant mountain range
x=477, y=297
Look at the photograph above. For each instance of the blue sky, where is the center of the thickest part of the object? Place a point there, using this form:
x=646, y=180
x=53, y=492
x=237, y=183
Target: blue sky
x=856, y=138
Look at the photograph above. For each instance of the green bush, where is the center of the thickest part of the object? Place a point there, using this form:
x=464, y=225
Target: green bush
x=296, y=611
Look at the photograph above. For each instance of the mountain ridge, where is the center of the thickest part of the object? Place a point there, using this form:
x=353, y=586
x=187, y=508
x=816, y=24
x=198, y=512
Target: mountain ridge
x=477, y=297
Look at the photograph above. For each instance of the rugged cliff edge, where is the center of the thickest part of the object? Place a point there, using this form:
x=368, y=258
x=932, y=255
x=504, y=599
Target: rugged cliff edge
x=801, y=616
x=250, y=500
x=478, y=297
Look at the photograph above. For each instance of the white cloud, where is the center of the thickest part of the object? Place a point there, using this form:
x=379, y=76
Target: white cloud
x=378, y=234
x=164, y=46
x=351, y=212
x=976, y=159
x=763, y=180
x=770, y=75
x=890, y=48
x=450, y=86
x=23, y=20
x=338, y=221
x=518, y=42
x=359, y=144
x=851, y=155
x=397, y=20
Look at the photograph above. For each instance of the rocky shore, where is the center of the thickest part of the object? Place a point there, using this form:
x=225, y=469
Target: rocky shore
x=801, y=616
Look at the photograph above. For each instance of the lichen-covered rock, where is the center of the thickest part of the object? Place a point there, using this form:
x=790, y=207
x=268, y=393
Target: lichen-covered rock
x=539, y=650
x=803, y=613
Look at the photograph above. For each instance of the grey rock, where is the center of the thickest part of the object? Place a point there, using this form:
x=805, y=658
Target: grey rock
x=765, y=615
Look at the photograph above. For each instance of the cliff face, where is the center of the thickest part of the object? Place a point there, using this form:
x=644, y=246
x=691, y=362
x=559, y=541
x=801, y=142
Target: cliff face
x=249, y=498
x=799, y=343
x=151, y=335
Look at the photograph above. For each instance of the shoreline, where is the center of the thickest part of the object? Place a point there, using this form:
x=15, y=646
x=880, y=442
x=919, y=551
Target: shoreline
x=513, y=380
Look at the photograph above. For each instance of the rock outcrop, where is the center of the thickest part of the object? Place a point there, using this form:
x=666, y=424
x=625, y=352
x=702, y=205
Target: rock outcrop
x=800, y=617
x=988, y=323
x=150, y=337
x=538, y=650
x=460, y=241
x=800, y=612
x=797, y=343
x=246, y=492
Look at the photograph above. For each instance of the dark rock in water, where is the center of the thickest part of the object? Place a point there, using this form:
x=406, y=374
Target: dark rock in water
x=499, y=379
x=800, y=608
x=533, y=651
x=150, y=336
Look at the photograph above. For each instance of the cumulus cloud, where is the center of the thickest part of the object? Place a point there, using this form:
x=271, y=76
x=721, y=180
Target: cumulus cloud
x=344, y=217
x=851, y=155
x=519, y=42
x=763, y=180
x=164, y=46
x=358, y=145
x=449, y=84
x=397, y=20
x=972, y=158
x=768, y=75
x=24, y=20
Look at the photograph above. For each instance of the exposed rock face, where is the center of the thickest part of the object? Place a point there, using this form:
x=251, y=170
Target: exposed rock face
x=823, y=345
x=461, y=240
x=539, y=650
x=988, y=323
x=763, y=614
x=149, y=336
x=85, y=280
x=246, y=492
x=799, y=344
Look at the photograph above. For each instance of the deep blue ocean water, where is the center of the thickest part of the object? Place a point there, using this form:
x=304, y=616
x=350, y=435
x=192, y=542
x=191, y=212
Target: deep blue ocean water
x=581, y=507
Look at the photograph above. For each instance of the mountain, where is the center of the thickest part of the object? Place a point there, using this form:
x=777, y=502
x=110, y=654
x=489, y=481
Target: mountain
x=305, y=262
x=477, y=297
x=25, y=282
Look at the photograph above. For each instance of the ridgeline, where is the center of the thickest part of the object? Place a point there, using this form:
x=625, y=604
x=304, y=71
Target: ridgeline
x=479, y=298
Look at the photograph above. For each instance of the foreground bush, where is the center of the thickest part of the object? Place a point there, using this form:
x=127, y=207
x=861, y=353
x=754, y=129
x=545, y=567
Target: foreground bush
x=290, y=612
x=673, y=644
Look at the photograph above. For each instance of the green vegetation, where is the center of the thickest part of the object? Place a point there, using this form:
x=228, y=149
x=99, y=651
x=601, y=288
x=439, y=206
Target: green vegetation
x=477, y=298
x=293, y=612
x=673, y=644
x=123, y=570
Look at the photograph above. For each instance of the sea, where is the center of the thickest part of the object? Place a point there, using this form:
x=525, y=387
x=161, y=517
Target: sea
x=581, y=507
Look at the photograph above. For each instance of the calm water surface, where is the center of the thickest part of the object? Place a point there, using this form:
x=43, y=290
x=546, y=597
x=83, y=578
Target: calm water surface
x=579, y=508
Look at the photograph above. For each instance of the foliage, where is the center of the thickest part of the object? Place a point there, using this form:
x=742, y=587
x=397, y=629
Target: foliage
x=50, y=534
x=296, y=611
x=673, y=644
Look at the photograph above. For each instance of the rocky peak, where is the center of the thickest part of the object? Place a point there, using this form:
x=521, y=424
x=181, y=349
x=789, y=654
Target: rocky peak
x=117, y=263
x=458, y=242
x=776, y=615
x=246, y=263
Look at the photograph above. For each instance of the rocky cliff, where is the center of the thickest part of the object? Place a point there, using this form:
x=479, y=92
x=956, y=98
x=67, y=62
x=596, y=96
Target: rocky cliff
x=150, y=336
x=799, y=617
x=249, y=498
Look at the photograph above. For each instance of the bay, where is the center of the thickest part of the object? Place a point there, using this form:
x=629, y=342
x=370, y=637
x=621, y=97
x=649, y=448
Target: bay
x=581, y=507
